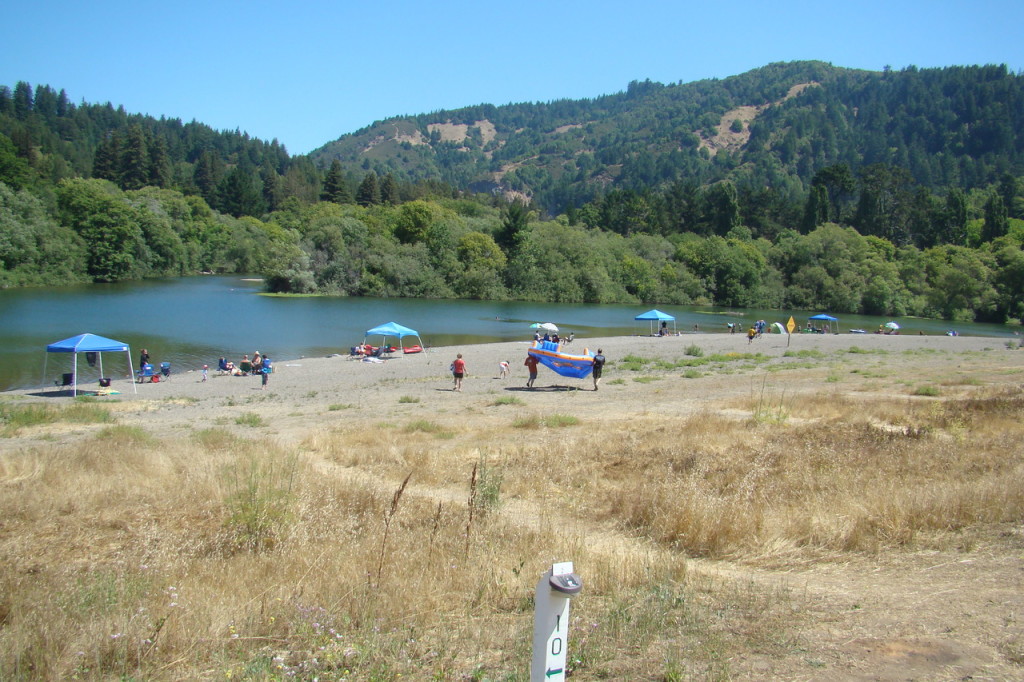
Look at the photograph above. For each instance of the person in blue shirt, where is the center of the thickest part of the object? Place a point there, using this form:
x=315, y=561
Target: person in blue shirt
x=266, y=369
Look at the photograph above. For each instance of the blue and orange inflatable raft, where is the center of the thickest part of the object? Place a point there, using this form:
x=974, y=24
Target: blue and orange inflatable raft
x=551, y=355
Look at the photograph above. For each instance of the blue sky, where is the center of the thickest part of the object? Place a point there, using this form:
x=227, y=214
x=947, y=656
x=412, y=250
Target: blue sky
x=308, y=72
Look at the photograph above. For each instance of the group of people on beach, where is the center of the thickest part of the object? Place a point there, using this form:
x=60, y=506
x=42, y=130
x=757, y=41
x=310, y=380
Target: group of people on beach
x=553, y=337
x=259, y=364
x=458, y=369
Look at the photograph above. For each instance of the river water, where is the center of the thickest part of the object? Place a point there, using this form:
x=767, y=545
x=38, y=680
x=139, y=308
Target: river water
x=193, y=321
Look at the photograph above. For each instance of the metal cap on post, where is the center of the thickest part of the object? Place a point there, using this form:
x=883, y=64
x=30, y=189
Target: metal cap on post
x=556, y=588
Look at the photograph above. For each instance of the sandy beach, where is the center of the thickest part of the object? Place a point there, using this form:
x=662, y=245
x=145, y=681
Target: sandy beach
x=305, y=394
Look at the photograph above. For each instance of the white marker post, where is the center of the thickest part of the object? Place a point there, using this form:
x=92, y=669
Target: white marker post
x=551, y=622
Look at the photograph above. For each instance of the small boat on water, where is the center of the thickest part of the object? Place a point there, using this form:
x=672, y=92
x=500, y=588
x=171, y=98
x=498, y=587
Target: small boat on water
x=551, y=355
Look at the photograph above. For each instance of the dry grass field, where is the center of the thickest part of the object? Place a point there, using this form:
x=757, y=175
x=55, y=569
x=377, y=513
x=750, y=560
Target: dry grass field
x=848, y=509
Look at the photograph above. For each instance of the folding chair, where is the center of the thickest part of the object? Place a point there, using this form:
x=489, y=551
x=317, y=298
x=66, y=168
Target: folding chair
x=147, y=373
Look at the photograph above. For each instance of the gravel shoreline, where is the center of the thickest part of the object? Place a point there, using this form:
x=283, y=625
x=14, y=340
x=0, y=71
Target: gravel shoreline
x=321, y=392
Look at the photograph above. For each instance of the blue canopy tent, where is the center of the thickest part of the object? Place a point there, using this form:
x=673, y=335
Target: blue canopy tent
x=89, y=343
x=822, y=317
x=398, y=331
x=657, y=316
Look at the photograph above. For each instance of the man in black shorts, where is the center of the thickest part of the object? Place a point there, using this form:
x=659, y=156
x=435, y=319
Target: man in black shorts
x=598, y=366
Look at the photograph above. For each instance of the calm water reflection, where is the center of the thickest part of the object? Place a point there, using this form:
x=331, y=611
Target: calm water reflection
x=195, y=320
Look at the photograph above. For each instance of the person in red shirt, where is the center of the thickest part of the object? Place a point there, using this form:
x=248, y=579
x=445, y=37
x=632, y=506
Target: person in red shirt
x=458, y=371
x=531, y=364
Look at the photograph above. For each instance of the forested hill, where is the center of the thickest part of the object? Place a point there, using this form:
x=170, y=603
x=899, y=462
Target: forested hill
x=795, y=186
x=45, y=137
x=774, y=126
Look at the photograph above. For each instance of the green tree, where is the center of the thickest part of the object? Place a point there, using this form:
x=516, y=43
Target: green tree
x=273, y=192
x=106, y=164
x=1008, y=188
x=481, y=262
x=240, y=194
x=816, y=210
x=996, y=220
x=839, y=185
x=954, y=219
x=34, y=249
x=368, y=193
x=724, y=204
x=207, y=176
x=14, y=171
x=1008, y=278
x=960, y=283
x=335, y=187
x=107, y=225
x=885, y=202
x=389, y=190
x=515, y=218
x=731, y=269
x=22, y=100
x=134, y=163
x=478, y=250
x=414, y=219
x=159, y=170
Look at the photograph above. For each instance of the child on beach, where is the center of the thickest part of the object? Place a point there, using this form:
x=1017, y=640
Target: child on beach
x=265, y=371
x=503, y=369
x=206, y=371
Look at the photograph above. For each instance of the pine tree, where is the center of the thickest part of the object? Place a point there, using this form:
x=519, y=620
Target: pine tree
x=207, y=175
x=514, y=222
x=996, y=220
x=389, y=190
x=240, y=195
x=368, y=193
x=134, y=167
x=335, y=188
x=816, y=210
x=955, y=219
x=22, y=100
x=725, y=207
x=159, y=171
x=106, y=164
x=1008, y=191
x=272, y=192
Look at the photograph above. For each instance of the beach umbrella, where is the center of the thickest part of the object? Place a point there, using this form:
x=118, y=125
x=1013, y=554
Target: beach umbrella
x=546, y=326
x=892, y=325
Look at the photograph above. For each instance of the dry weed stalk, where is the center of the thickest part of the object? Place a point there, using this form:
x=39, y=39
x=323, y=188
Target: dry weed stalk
x=472, y=507
x=433, y=534
x=395, y=499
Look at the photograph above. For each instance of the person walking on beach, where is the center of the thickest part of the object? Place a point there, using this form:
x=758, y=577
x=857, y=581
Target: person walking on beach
x=503, y=369
x=458, y=371
x=206, y=372
x=531, y=364
x=599, y=361
x=265, y=370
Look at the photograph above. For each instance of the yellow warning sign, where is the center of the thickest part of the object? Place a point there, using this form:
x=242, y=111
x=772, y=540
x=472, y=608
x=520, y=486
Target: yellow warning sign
x=791, y=325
